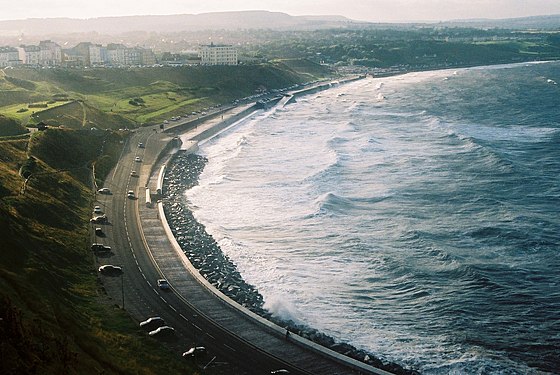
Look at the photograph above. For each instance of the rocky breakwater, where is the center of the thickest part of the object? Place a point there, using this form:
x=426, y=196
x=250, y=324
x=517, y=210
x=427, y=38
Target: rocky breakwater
x=207, y=257
x=200, y=247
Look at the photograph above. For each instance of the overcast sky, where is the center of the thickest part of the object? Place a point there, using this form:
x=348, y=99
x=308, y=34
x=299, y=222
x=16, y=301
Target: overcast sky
x=367, y=10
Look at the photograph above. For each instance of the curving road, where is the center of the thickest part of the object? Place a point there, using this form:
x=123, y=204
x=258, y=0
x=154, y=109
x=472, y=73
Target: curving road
x=188, y=307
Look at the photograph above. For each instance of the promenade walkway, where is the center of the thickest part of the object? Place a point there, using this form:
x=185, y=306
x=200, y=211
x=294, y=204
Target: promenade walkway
x=187, y=282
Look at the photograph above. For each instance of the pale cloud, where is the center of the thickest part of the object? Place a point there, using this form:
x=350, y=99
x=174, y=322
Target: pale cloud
x=369, y=10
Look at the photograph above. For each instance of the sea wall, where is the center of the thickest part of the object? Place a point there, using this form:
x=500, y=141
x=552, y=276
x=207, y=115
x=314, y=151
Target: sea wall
x=205, y=260
x=321, y=87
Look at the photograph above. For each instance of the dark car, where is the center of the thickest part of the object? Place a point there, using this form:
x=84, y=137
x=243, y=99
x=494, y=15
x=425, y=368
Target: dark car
x=163, y=284
x=109, y=269
x=100, y=248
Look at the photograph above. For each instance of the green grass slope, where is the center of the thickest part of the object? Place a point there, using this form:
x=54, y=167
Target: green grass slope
x=10, y=127
x=54, y=317
x=136, y=96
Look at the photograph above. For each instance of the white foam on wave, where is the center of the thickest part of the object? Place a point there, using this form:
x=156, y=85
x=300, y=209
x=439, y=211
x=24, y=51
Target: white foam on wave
x=333, y=274
x=282, y=307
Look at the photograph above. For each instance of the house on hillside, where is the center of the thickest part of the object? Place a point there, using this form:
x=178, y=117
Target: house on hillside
x=41, y=126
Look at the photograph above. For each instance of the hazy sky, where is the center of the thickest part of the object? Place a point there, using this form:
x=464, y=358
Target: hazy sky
x=368, y=10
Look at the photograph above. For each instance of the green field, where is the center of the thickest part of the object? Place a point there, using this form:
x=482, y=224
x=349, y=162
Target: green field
x=120, y=98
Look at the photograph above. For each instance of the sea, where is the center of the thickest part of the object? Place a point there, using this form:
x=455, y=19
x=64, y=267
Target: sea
x=416, y=217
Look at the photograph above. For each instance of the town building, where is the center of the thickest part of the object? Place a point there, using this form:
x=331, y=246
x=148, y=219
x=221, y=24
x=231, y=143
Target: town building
x=51, y=53
x=214, y=54
x=9, y=56
x=98, y=55
x=29, y=55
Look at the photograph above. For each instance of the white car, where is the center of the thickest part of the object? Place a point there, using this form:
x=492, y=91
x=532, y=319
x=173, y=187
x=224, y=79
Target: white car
x=163, y=284
x=161, y=331
x=104, y=191
x=140, y=145
x=130, y=194
x=197, y=351
x=152, y=323
x=97, y=210
x=133, y=174
x=99, y=219
x=137, y=159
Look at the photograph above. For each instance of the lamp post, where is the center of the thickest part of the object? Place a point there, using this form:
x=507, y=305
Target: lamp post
x=122, y=288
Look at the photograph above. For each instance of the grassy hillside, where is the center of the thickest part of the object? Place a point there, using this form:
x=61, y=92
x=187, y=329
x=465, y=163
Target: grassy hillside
x=54, y=316
x=10, y=127
x=125, y=97
x=55, y=319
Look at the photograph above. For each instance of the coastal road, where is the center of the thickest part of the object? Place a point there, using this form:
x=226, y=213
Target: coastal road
x=137, y=284
x=192, y=313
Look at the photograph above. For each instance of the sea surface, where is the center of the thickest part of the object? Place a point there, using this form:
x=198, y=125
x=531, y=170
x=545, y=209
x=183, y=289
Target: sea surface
x=416, y=217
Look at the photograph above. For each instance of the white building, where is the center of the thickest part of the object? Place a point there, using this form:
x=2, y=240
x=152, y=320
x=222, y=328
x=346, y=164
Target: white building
x=218, y=55
x=117, y=54
x=97, y=55
x=9, y=56
x=29, y=55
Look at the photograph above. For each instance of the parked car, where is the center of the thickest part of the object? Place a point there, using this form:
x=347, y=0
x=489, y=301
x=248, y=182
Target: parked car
x=137, y=159
x=109, y=269
x=99, y=232
x=162, y=331
x=99, y=219
x=163, y=284
x=104, y=191
x=97, y=210
x=197, y=351
x=100, y=247
x=152, y=323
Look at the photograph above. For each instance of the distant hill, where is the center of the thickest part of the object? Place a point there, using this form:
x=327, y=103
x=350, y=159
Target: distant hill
x=240, y=20
x=537, y=22
x=171, y=23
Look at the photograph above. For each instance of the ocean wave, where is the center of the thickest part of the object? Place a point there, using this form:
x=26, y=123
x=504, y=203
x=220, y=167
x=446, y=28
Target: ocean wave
x=333, y=204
